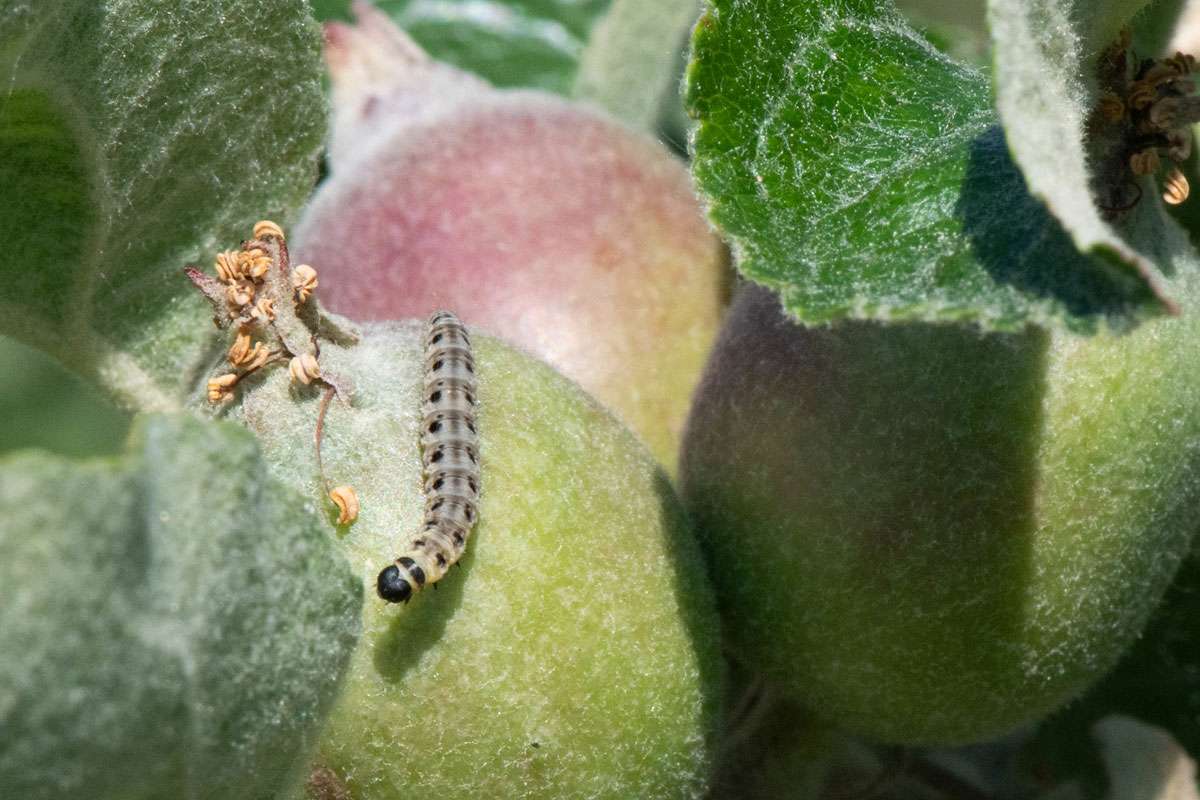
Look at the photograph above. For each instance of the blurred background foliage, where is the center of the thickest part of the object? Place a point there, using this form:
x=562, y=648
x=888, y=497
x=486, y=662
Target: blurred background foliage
x=510, y=42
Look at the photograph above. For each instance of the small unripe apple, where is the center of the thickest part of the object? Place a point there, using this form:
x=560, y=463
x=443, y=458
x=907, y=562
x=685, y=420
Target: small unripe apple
x=928, y=534
x=572, y=653
x=539, y=220
x=1156, y=682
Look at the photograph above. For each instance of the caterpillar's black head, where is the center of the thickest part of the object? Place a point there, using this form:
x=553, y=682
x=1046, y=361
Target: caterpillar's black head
x=393, y=586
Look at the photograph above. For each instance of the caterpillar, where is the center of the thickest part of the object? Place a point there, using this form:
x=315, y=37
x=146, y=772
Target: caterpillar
x=450, y=459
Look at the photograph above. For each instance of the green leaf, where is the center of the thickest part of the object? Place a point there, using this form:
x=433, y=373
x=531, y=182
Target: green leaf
x=630, y=65
x=861, y=174
x=136, y=136
x=533, y=43
x=174, y=622
x=1045, y=55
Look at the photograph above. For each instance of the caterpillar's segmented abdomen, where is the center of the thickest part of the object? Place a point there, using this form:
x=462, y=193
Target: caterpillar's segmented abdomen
x=450, y=455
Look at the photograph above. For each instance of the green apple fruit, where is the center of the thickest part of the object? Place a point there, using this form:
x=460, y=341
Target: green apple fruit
x=929, y=534
x=574, y=654
x=539, y=220
x=1157, y=681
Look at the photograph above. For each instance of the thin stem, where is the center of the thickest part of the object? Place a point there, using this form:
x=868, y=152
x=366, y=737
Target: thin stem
x=320, y=432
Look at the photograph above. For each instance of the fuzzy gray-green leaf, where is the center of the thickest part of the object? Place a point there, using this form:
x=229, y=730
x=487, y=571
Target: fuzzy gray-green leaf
x=1046, y=55
x=135, y=136
x=174, y=624
x=632, y=61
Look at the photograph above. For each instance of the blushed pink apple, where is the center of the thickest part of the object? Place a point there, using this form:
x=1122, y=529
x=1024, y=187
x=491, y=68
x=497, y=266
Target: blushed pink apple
x=537, y=219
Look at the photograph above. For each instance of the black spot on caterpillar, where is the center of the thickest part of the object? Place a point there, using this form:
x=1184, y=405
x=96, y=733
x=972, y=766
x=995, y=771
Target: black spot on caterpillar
x=450, y=455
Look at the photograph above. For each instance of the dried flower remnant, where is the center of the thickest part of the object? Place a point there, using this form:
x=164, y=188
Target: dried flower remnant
x=1143, y=118
x=1175, y=187
x=304, y=281
x=264, y=228
x=239, y=294
x=258, y=357
x=1144, y=162
x=257, y=293
x=220, y=387
x=260, y=296
x=264, y=309
x=1111, y=107
x=304, y=368
x=239, y=351
x=228, y=268
x=1179, y=145
x=346, y=500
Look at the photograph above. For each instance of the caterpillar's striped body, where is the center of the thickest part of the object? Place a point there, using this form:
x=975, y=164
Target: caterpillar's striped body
x=450, y=454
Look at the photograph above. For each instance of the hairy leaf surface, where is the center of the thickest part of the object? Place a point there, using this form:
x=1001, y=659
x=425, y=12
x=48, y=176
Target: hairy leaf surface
x=174, y=624
x=134, y=137
x=862, y=174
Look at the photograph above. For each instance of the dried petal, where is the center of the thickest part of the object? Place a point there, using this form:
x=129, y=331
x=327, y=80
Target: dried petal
x=220, y=387
x=254, y=263
x=239, y=352
x=240, y=294
x=1141, y=95
x=1160, y=73
x=1175, y=187
x=264, y=309
x=1183, y=86
x=304, y=281
x=304, y=368
x=1144, y=162
x=1182, y=63
x=1175, y=112
x=228, y=266
x=1111, y=107
x=346, y=500
x=258, y=357
x=265, y=228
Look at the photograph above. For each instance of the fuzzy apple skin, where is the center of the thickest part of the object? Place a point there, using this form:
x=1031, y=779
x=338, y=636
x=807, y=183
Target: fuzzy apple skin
x=574, y=654
x=930, y=535
x=536, y=219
